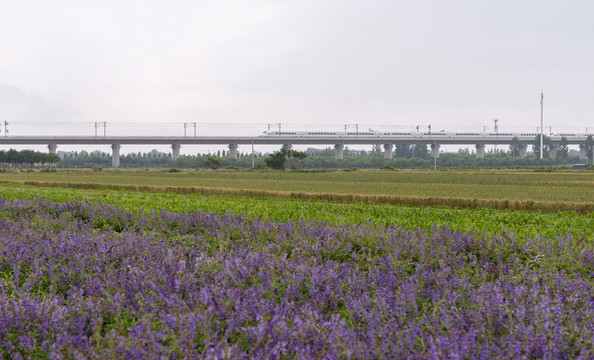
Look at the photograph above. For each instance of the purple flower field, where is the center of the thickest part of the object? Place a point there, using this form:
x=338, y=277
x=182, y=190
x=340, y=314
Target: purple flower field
x=82, y=280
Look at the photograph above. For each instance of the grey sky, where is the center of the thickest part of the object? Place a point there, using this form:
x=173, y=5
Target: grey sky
x=235, y=66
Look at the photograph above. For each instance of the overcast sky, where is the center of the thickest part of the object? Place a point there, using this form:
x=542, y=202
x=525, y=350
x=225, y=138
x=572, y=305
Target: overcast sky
x=235, y=66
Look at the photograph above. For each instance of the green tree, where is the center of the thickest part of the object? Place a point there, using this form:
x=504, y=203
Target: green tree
x=12, y=156
x=376, y=150
x=515, y=146
x=294, y=157
x=563, y=149
x=277, y=159
x=589, y=146
x=404, y=150
x=420, y=151
x=212, y=162
x=546, y=146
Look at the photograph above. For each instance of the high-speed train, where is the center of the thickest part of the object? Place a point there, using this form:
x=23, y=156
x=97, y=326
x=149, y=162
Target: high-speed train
x=412, y=134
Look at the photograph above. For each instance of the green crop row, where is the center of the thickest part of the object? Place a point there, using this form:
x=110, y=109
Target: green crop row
x=519, y=224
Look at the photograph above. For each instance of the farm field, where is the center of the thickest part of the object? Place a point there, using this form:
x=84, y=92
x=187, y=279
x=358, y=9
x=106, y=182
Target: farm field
x=137, y=274
x=511, y=185
x=519, y=224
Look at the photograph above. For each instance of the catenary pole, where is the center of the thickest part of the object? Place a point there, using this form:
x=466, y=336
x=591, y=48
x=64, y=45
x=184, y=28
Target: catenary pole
x=541, y=121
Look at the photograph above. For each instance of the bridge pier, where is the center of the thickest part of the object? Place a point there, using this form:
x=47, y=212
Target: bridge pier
x=115, y=155
x=583, y=155
x=287, y=146
x=388, y=151
x=480, y=151
x=175, y=148
x=52, y=148
x=339, y=151
x=523, y=150
x=553, y=151
x=435, y=149
x=233, y=151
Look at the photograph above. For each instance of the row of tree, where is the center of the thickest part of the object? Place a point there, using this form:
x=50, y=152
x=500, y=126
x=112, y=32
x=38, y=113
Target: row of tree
x=561, y=147
x=326, y=159
x=27, y=157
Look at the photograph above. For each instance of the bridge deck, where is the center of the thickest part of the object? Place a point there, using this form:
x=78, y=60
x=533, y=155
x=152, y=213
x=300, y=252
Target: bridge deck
x=272, y=140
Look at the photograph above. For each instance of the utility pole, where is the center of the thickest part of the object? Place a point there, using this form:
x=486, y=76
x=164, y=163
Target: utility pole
x=253, y=153
x=5, y=128
x=98, y=124
x=418, y=127
x=434, y=155
x=275, y=124
x=187, y=125
x=541, y=121
x=356, y=128
x=495, y=121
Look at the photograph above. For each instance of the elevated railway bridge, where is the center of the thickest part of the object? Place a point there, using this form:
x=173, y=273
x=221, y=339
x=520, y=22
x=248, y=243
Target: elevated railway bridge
x=287, y=139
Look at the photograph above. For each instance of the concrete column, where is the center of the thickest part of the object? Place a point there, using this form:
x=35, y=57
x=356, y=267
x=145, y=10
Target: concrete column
x=583, y=155
x=553, y=151
x=175, y=148
x=339, y=151
x=233, y=151
x=52, y=148
x=435, y=149
x=115, y=155
x=287, y=146
x=480, y=151
x=388, y=151
x=523, y=150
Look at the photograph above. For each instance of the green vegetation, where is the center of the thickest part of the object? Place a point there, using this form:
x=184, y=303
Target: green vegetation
x=518, y=224
x=173, y=263
x=93, y=280
x=406, y=156
x=589, y=148
x=277, y=159
x=27, y=157
x=212, y=162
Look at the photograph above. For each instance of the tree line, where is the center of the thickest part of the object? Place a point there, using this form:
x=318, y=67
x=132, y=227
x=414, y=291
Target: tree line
x=561, y=147
x=323, y=158
x=27, y=157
